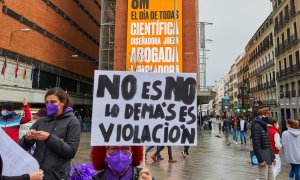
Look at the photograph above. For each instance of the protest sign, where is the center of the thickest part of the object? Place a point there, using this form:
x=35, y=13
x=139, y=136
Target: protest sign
x=133, y=108
x=154, y=36
x=16, y=161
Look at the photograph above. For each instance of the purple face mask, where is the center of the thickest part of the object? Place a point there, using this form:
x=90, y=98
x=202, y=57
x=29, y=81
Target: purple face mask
x=118, y=161
x=52, y=109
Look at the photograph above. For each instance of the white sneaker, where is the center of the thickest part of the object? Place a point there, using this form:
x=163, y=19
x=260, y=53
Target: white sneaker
x=235, y=142
x=183, y=154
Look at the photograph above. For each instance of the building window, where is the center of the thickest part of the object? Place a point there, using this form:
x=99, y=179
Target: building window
x=289, y=35
x=298, y=88
x=279, y=65
x=284, y=61
x=43, y=80
x=295, y=30
x=290, y=61
x=281, y=92
x=295, y=113
x=287, y=91
x=297, y=58
x=293, y=89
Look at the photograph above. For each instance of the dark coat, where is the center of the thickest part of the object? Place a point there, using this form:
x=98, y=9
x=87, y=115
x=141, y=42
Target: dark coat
x=54, y=155
x=260, y=139
x=22, y=177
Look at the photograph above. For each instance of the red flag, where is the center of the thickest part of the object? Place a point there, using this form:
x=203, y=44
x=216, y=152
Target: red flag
x=4, y=67
x=24, y=74
x=17, y=69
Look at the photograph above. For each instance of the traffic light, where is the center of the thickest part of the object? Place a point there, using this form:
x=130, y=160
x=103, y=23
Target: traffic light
x=238, y=110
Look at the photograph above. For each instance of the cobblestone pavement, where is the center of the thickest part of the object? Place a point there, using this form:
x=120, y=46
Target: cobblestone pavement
x=213, y=158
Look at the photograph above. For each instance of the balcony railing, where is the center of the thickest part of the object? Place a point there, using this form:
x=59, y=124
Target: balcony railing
x=281, y=48
x=280, y=26
x=281, y=95
x=294, y=39
x=293, y=93
x=277, y=51
x=286, y=18
x=287, y=94
x=287, y=43
x=276, y=28
x=272, y=83
x=293, y=11
x=274, y=7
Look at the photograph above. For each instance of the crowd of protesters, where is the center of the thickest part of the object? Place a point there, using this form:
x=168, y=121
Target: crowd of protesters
x=267, y=141
x=55, y=135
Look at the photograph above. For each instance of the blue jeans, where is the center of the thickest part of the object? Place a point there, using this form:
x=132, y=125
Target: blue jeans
x=169, y=151
x=295, y=171
x=227, y=131
x=151, y=147
x=243, y=136
x=234, y=133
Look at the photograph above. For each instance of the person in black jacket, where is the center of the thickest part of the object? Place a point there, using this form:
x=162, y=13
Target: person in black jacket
x=56, y=136
x=262, y=146
x=35, y=175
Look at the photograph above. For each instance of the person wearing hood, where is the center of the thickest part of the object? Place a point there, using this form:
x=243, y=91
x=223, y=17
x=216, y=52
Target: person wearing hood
x=262, y=146
x=56, y=136
x=291, y=147
x=10, y=121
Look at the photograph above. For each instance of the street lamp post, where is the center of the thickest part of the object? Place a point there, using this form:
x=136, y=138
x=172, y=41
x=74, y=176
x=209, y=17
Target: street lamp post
x=12, y=33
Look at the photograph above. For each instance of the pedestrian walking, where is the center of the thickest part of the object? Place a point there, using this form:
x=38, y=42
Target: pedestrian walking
x=291, y=147
x=56, y=136
x=235, y=130
x=262, y=146
x=10, y=121
x=226, y=125
x=242, y=127
x=119, y=163
x=220, y=126
x=275, y=140
x=185, y=151
x=155, y=155
x=159, y=157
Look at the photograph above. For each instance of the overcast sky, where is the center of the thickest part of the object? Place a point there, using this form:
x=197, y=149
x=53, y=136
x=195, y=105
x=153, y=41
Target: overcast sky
x=234, y=23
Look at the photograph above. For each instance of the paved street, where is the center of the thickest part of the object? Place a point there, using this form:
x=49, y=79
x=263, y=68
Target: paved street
x=213, y=158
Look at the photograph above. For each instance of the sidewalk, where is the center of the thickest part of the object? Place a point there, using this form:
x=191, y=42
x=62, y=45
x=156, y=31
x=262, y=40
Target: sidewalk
x=213, y=159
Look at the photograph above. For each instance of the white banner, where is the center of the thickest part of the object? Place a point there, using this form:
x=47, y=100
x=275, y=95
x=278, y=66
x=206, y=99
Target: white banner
x=16, y=161
x=131, y=108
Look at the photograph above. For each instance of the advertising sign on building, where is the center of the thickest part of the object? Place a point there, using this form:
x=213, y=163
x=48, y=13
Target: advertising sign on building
x=154, y=36
x=142, y=108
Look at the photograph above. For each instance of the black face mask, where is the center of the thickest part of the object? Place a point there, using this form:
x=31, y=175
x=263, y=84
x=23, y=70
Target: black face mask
x=265, y=119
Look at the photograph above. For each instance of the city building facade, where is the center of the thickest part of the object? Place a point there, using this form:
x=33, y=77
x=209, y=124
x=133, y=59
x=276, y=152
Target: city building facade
x=262, y=67
x=243, y=83
x=286, y=16
x=220, y=94
x=47, y=44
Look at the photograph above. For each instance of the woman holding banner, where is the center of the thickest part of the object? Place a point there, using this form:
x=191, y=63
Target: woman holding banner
x=119, y=163
x=35, y=175
x=56, y=136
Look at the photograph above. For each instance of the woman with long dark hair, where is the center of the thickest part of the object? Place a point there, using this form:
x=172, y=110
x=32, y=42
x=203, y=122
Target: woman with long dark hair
x=56, y=136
